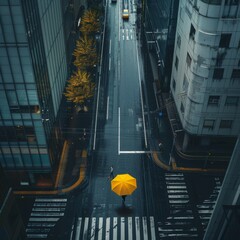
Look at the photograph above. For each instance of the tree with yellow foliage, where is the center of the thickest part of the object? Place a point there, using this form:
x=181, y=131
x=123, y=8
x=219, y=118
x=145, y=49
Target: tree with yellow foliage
x=90, y=22
x=85, y=53
x=79, y=88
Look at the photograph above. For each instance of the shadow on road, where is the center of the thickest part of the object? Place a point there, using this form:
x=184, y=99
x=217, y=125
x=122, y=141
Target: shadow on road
x=125, y=210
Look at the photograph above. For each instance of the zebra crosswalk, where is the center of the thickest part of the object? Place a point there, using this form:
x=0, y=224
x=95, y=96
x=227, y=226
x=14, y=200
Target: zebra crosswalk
x=181, y=222
x=128, y=228
x=206, y=208
x=46, y=212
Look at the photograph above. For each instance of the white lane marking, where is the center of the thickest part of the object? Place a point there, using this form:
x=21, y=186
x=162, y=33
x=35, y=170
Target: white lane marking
x=118, y=130
x=79, y=223
x=107, y=107
x=110, y=62
x=51, y=200
x=145, y=232
x=71, y=232
x=33, y=219
x=110, y=43
x=100, y=226
x=122, y=228
x=152, y=228
x=140, y=88
x=129, y=228
x=107, y=229
x=133, y=152
x=115, y=228
x=85, y=229
x=137, y=227
x=93, y=227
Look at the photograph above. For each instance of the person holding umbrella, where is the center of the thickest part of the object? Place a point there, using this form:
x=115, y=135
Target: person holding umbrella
x=123, y=199
x=124, y=185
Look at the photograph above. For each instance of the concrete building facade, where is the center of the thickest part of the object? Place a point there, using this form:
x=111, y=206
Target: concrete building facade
x=33, y=73
x=205, y=82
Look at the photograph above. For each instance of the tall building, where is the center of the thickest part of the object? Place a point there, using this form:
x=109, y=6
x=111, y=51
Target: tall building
x=205, y=82
x=224, y=222
x=33, y=72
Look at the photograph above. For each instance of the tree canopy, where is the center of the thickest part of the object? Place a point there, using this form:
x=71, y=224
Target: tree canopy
x=85, y=53
x=79, y=87
x=90, y=22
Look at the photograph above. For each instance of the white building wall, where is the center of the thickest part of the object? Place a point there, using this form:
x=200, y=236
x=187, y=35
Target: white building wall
x=192, y=84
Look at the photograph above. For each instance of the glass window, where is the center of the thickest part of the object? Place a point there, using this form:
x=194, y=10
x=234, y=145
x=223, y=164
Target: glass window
x=45, y=160
x=213, y=100
x=9, y=161
x=189, y=60
x=18, y=160
x=185, y=83
x=178, y=41
x=174, y=84
x=2, y=162
x=235, y=74
x=208, y=123
x=192, y=32
x=182, y=108
x=225, y=40
x=226, y=124
x=218, y=73
x=27, y=160
x=232, y=101
x=36, y=160
x=176, y=63
x=231, y=2
x=214, y=2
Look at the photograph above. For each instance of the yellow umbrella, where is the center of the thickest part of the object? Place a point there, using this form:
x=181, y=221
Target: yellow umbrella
x=123, y=184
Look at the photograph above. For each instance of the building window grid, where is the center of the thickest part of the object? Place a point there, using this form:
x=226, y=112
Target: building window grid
x=218, y=73
x=235, y=74
x=182, y=108
x=232, y=101
x=174, y=84
x=226, y=124
x=208, y=123
x=179, y=41
x=188, y=60
x=225, y=40
x=192, y=32
x=231, y=2
x=214, y=2
x=213, y=100
x=176, y=62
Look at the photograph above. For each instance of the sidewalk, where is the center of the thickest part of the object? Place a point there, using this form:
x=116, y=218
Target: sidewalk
x=61, y=187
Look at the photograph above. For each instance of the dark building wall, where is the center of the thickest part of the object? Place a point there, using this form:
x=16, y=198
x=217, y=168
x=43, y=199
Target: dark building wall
x=160, y=29
x=11, y=223
x=224, y=222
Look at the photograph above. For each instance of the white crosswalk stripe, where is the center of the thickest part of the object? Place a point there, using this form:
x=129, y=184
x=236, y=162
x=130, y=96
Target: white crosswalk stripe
x=117, y=228
x=206, y=208
x=46, y=212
